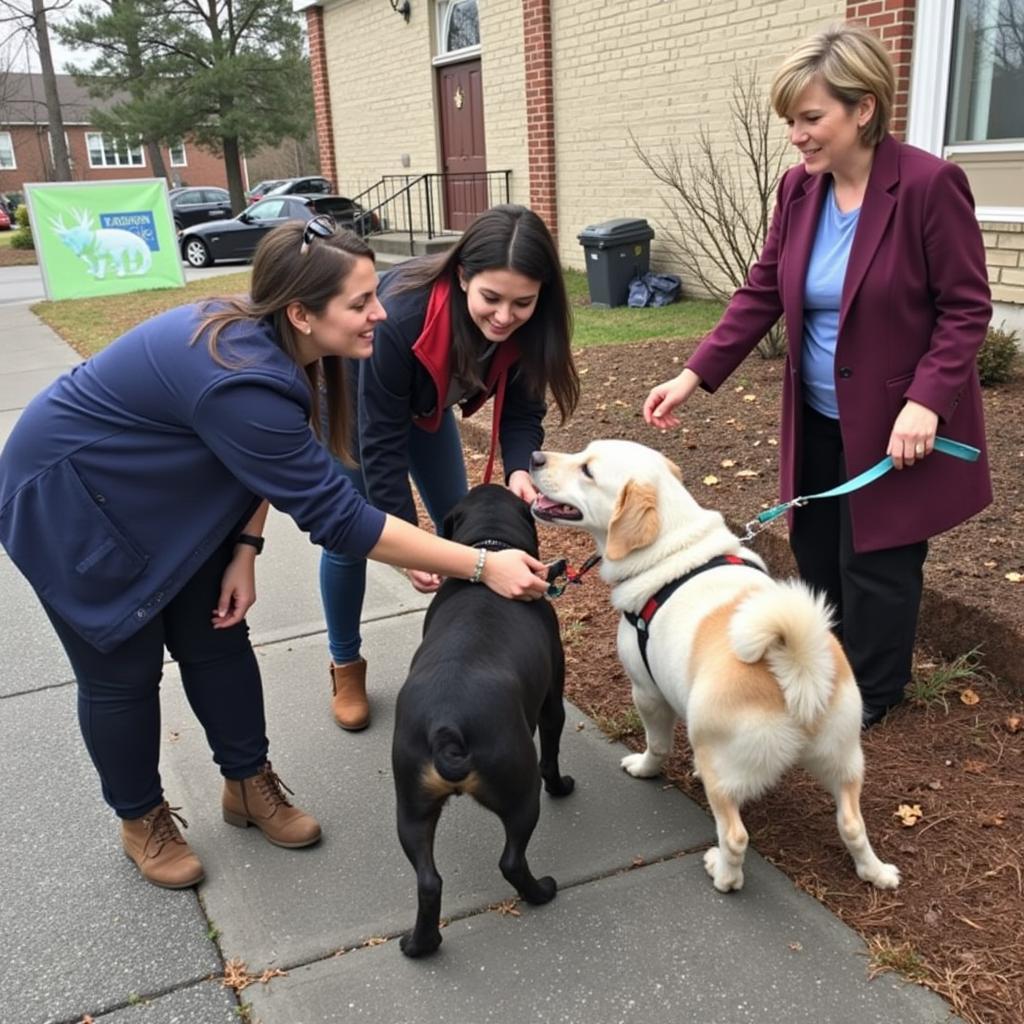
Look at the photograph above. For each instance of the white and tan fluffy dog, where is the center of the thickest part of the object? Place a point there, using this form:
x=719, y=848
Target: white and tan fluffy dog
x=749, y=663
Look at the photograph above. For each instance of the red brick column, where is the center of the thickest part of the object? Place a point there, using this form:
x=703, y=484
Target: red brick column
x=321, y=95
x=540, y=111
x=893, y=20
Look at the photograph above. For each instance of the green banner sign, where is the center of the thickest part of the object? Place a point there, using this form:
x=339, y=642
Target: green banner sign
x=104, y=237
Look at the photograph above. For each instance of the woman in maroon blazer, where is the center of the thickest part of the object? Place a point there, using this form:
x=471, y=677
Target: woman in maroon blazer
x=875, y=259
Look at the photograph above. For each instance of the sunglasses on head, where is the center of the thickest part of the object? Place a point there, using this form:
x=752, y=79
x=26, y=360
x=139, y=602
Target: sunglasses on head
x=321, y=226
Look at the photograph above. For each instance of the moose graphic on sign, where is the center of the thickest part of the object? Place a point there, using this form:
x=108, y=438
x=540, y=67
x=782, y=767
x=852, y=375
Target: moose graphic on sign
x=103, y=249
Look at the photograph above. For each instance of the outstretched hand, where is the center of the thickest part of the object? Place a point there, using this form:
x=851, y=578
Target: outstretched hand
x=664, y=397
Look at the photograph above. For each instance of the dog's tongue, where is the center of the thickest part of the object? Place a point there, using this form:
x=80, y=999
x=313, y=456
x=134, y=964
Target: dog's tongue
x=545, y=504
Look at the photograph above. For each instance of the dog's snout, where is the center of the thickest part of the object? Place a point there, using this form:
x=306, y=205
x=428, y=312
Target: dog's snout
x=537, y=459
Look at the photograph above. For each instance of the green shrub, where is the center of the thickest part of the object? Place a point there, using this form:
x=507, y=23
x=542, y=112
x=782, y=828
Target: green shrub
x=997, y=355
x=22, y=237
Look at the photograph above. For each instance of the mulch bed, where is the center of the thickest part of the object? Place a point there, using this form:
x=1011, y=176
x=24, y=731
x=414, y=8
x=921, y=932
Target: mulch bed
x=17, y=257
x=956, y=924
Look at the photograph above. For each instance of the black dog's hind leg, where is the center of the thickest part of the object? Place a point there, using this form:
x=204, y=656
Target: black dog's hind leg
x=552, y=720
x=519, y=822
x=416, y=827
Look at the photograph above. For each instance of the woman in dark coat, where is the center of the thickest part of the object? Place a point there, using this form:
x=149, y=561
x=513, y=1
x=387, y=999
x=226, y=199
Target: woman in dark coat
x=875, y=260
x=133, y=493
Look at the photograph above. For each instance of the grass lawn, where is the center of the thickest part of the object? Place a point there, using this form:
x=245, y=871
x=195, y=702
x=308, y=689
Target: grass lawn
x=691, y=318
x=90, y=324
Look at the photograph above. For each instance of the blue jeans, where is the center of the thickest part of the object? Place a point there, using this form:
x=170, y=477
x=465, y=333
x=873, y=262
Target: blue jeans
x=119, y=692
x=439, y=472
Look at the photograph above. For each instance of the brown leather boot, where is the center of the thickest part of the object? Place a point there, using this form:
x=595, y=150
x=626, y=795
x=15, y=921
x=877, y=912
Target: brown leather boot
x=159, y=849
x=259, y=800
x=351, y=708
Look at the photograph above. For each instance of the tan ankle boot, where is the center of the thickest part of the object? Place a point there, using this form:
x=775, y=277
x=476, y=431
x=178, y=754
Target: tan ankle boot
x=351, y=708
x=259, y=800
x=159, y=849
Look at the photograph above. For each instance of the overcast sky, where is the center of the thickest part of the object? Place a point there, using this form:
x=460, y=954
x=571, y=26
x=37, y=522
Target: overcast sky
x=18, y=53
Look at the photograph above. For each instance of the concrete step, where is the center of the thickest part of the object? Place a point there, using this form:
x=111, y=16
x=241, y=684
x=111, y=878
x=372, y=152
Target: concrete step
x=397, y=243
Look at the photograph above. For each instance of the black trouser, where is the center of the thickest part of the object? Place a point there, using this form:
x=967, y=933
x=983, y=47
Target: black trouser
x=119, y=692
x=876, y=594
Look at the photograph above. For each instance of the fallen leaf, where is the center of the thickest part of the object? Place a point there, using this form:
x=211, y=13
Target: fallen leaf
x=975, y=767
x=748, y=472
x=618, y=401
x=969, y=697
x=1013, y=723
x=507, y=908
x=375, y=940
x=580, y=726
x=638, y=862
x=1014, y=577
x=710, y=480
x=236, y=975
x=86, y=1020
x=997, y=820
x=990, y=564
x=728, y=463
x=750, y=398
x=935, y=785
x=772, y=441
x=931, y=918
x=909, y=814
x=272, y=972
x=739, y=388
x=796, y=947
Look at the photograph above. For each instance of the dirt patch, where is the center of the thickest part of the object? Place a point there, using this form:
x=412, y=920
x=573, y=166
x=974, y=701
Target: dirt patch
x=16, y=257
x=956, y=924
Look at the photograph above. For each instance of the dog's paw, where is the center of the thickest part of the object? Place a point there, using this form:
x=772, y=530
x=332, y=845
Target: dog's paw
x=641, y=766
x=726, y=879
x=544, y=891
x=882, y=876
x=414, y=947
x=560, y=785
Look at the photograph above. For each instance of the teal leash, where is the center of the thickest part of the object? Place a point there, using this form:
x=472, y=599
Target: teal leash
x=957, y=449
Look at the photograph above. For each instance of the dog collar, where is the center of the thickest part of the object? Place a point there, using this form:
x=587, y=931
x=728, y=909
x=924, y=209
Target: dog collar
x=491, y=544
x=641, y=621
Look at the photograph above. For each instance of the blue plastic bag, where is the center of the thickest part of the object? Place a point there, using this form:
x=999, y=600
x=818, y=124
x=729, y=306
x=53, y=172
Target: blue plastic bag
x=654, y=290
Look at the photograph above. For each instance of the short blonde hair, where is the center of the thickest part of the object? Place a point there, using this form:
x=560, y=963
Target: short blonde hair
x=852, y=63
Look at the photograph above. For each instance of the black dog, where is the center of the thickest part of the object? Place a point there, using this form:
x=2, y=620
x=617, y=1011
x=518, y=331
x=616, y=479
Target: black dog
x=487, y=672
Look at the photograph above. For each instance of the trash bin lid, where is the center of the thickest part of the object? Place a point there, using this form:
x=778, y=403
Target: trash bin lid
x=620, y=231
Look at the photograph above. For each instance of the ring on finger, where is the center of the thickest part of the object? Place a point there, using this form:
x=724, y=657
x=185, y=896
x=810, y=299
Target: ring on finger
x=919, y=449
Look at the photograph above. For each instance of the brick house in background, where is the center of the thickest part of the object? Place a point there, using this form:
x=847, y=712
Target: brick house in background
x=551, y=91
x=25, y=153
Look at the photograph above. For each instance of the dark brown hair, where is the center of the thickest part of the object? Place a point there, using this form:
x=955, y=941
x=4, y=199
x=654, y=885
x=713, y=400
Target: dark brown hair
x=282, y=274
x=508, y=238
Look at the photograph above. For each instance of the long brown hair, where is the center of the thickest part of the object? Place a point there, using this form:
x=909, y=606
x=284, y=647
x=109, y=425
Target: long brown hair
x=282, y=273
x=508, y=238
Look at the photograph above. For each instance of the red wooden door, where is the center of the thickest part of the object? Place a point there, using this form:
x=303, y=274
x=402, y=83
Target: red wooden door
x=462, y=142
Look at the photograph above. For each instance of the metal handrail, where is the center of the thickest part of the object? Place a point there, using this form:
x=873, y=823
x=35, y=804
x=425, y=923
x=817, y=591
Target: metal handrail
x=414, y=204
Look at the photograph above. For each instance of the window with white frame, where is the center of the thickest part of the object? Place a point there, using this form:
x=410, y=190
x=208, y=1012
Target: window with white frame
x=110, y=151
x=7, y=161
x=177, y=152
x=458, y=26
x=987, y=80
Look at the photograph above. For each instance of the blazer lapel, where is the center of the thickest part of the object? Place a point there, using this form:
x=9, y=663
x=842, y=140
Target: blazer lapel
x=804, y=212
x=875, y=214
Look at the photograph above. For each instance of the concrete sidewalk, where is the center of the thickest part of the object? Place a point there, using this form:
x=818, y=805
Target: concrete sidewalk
x=637, y=933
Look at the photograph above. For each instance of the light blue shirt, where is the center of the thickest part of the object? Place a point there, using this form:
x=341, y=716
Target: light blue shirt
x=823, y=290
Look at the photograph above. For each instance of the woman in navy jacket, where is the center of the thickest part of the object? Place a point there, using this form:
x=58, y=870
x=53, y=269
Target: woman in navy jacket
x=875, y=259
x=133, y=493
x=487, y=318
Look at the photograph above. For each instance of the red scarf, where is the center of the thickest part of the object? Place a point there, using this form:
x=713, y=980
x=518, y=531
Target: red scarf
x=433, y=349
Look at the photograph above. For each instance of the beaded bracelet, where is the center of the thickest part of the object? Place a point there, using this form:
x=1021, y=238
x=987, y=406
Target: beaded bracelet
x=478, y=572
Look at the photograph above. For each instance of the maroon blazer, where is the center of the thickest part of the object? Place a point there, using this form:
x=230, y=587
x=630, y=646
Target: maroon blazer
x=914, y=311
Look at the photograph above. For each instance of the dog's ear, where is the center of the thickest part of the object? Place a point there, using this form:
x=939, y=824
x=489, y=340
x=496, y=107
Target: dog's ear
x=450, y=522
x=635, y=521
x=675, y=470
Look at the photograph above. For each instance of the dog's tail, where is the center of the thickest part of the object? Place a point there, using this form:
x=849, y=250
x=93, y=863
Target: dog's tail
x=448, y=750
x=789, y=627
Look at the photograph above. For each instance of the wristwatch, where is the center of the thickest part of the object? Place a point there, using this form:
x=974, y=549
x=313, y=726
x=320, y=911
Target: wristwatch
x=252, y=540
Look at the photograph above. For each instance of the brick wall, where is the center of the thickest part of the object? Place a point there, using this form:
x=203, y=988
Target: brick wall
x=660, y=70
x=381, y=86
x=1004, y=246
x=893, y=20
x=321, y=93
x=540, y=110
x=32, y=155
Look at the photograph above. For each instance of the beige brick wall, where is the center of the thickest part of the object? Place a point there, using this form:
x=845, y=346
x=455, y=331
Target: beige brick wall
x=504, y=75
x=382, y=90
x=661, y=69
x=1004, y=248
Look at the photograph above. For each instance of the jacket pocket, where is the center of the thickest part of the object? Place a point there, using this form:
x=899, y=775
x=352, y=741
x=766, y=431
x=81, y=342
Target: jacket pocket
x=895, y=389
x=68, y=547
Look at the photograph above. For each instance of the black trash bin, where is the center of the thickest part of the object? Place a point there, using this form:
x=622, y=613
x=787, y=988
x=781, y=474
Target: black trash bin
x=616, y=251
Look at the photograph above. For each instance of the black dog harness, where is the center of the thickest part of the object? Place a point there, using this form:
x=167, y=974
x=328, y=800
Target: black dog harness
x=641, y=621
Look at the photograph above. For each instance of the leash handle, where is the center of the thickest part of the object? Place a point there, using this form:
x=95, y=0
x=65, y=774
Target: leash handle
x=957, y=449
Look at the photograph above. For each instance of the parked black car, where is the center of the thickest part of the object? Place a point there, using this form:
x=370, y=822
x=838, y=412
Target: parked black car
x=198, y=205
x=236, y=239
x=260, y=189
x=309, y=186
